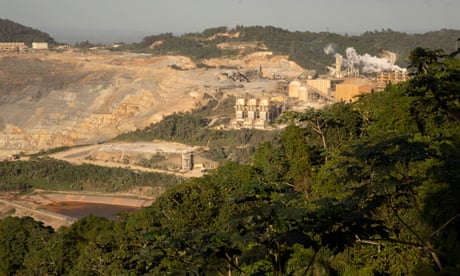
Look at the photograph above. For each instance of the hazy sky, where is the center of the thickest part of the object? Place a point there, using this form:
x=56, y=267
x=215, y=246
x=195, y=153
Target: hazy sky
x=140, y=17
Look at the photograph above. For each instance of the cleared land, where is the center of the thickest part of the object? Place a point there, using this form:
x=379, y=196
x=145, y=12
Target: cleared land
x=57, y=99
x=166, y=158
x=32, y=204
x=155, y=156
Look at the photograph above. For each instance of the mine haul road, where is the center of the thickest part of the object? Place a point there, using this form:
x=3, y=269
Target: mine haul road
x=79, y=155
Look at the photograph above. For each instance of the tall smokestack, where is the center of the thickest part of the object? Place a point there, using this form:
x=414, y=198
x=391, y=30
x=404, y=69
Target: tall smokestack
x=338, y=66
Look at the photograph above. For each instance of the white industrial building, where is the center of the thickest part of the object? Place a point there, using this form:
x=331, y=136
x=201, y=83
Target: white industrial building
x=40, y=45
x=255, y=113
x=9, y=46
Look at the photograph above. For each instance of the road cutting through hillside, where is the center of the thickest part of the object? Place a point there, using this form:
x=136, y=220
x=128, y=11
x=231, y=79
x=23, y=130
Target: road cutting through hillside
x=85, y=155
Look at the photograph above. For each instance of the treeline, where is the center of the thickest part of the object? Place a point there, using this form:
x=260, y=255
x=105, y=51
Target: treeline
x=14, y=32
x=364, y=188
x=305, y=48
x=170, y=44
x=52, y=174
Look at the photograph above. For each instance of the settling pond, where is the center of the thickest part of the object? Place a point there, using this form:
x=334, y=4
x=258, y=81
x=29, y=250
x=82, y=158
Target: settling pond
x=77, y=209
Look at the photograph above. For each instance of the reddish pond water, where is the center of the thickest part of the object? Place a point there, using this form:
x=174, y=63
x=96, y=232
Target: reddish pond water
x=81, y=209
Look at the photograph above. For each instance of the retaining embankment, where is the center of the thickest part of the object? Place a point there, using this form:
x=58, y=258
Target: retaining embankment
x=132, y=202
x=33, y=212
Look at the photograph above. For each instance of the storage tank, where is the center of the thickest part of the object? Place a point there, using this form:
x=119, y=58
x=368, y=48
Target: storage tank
x=303, y=94
x=294, y=89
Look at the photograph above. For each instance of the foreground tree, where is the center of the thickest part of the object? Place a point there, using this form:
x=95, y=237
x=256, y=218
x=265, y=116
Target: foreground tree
x=22, y=242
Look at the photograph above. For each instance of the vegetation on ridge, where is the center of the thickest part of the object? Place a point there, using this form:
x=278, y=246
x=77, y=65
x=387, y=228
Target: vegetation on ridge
x=305, y=48
x=50, y=174
x=364, y=188
x=14, y=32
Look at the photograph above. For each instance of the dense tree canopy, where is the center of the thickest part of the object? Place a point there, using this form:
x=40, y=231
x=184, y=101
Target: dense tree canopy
x=14, y=32
x=48, y=173
x=364, y=188
x=305, y=48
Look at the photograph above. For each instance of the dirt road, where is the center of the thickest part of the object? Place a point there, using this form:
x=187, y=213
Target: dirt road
x=32, y=204
x=20, y=208
x=126, y=155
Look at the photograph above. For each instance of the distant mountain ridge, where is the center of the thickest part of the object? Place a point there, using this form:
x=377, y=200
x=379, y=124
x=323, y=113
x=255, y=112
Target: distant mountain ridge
x=14, y=32
x=305, y=48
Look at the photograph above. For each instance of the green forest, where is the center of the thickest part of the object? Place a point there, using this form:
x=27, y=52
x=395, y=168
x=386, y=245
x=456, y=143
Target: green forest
x=363, y=188
x=305, y=48
x=13, y=32
x=51, y=174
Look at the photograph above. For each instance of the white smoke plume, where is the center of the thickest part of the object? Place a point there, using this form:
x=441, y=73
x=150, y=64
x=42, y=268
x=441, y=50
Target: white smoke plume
x=364, y=63
x=368, y=63
x=329, y=49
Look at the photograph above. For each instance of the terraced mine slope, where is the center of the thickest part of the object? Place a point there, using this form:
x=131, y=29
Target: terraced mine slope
x=62, y=99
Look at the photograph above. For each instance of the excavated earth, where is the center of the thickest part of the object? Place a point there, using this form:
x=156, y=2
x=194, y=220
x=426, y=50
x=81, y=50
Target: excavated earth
x=58, y=99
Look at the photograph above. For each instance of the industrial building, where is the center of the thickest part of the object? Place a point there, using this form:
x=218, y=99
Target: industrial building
x=12, y=46
x=350, y=88
x=324, y=87
x=329, y=90
x=255, y=112
x=385, y=78
x=40, y=45
x=314, y=90
x=19, y=46
x=343, y=85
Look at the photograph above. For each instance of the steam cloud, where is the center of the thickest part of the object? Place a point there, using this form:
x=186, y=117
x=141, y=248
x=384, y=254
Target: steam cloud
x=329, y=49
x=368, y=63
x=365, y=63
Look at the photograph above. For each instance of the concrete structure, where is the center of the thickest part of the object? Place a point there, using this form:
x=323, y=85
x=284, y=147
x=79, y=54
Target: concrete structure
x=303, y=94
x=293, y=90
x=187, y=160
x=241, y=110
x=40, y=45
x=255, y=113
x=390, y=77
x=315, y=90
x=325, y=86
x=253, y=109
x=351, y=88
x=338, y=66
x=11, y=46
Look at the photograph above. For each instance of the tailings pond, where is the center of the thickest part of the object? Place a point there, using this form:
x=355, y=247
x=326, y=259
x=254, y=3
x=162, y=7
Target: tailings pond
x=77, y=209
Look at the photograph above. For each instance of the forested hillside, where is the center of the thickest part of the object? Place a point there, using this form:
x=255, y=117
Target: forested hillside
x=305, y=48
x=50, y=174
x=14, y=32
x=364, y=188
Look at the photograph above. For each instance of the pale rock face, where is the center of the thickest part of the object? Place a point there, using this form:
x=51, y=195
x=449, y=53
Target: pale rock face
x=64, y=99
x=271, y=65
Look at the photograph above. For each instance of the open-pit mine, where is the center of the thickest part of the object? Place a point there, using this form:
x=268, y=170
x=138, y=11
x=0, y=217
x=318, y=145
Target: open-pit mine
x=52, y=99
